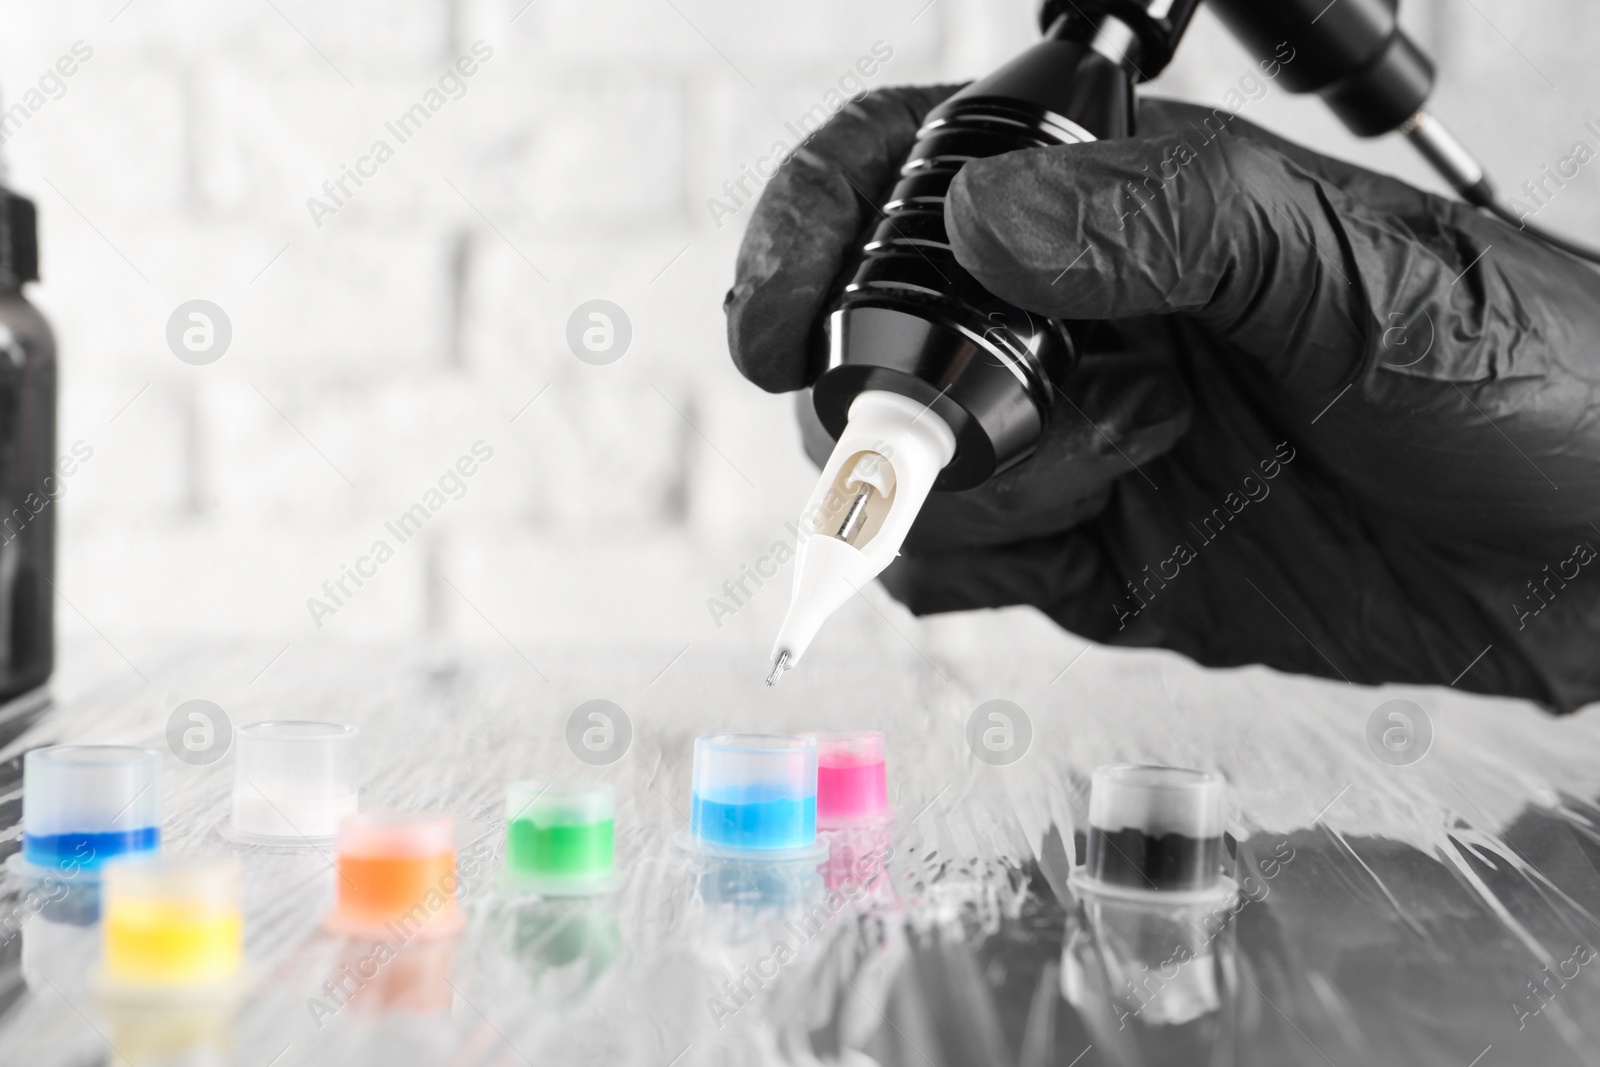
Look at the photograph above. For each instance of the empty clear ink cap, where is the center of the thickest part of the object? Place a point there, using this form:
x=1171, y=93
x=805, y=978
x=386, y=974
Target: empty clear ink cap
x=852, y=783
x=170, y=922
x=754, y=792
x=1155, y=829
x=294, y=780
x=83, y=804
x=560, y=837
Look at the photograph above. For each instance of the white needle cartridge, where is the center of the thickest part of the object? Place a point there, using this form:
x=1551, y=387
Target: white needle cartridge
x=869, y=494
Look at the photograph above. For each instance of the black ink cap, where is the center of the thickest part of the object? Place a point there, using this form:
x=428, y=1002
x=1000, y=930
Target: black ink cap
x=1155, y=828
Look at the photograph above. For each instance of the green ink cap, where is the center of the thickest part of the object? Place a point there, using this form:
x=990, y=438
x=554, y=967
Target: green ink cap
x=559, y=837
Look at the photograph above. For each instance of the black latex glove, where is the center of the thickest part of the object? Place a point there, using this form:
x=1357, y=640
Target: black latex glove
x=1333, y=424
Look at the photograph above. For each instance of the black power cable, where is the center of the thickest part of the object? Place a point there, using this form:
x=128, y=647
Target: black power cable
x=1354, y=56
x=1465, y=174
x=1549, y=237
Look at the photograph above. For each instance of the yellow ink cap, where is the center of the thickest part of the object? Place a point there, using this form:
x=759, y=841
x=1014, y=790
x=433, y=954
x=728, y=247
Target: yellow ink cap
x=171, y=923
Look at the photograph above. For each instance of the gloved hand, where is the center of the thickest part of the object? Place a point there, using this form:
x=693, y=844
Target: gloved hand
x=1330, y=423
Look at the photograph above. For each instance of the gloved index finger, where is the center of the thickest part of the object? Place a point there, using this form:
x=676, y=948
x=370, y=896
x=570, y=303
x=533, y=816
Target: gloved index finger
x=1304, y=277
x=1231, y=233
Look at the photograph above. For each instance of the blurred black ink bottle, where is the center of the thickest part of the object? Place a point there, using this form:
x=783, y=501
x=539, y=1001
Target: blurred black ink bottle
x=29, y=483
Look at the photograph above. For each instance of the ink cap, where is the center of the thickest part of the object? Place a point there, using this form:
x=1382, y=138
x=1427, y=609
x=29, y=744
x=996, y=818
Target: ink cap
x=754, y=795
x=397, y=876
x=852, y=780
x=171, y=926
x=294, y=781
x=1157, y=830
x=85, y=804
x=560, y=837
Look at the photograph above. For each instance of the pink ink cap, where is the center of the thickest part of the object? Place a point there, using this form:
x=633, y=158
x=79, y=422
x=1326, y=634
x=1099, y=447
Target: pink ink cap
x=851, y=782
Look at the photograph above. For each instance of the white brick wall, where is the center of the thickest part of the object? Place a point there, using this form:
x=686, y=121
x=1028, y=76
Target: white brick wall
x=416, y=321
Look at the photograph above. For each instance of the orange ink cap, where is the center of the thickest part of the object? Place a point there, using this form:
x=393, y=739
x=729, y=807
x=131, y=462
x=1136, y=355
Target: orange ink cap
x=397, y=876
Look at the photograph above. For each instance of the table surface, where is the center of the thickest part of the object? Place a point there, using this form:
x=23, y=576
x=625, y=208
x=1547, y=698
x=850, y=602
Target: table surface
x=1436, y=913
